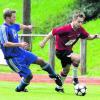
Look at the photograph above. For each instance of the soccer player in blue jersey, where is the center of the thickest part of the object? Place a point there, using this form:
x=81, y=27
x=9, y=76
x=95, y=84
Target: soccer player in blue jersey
x=16, y=56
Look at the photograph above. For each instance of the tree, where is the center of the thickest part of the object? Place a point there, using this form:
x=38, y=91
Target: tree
x=90, y=8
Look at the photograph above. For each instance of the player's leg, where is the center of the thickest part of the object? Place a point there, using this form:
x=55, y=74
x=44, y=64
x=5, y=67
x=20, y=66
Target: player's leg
x=63, y=75
x=75, y=61
x=17, y=65
x=65, y=62
x=31, y=58
x=25, y=81
x=48, y=68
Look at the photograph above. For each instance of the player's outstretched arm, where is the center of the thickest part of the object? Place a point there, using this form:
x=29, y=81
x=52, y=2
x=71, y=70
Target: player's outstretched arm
x=91, y=37
x=44, y=41
x=22, y=26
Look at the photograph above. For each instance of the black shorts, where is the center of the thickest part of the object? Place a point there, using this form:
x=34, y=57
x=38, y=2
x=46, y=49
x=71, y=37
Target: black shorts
x=63, y=56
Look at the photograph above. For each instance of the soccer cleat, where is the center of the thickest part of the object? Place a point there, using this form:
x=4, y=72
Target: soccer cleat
x=18, y=90
x=58, y=80
x=75, y=81
x=59, y=90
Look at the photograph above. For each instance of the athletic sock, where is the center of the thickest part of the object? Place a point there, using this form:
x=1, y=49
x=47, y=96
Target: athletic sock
x=22, y=85
x=63, y=77
x=75, y=74
x=59, y=87
x=50, y=70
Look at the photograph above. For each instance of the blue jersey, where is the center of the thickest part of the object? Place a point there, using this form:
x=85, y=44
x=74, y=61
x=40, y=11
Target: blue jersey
x=17, y=58
x=9, y=33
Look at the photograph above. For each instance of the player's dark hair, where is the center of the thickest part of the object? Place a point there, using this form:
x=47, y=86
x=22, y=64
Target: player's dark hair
x=8, y=13
x=78, y=13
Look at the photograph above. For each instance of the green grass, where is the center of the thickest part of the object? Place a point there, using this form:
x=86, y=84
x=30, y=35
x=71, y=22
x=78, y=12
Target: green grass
x=46, y=92
x=44, y=14
x=48, y=14
x=13, y=4
x=93, y=53
x=93, y=50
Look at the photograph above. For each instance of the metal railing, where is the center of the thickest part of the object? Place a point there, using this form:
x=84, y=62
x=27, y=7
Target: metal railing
x=52, y=51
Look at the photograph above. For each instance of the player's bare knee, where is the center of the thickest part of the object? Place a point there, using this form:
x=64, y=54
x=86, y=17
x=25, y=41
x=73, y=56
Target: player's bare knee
x=40, y=62
x=76, y=60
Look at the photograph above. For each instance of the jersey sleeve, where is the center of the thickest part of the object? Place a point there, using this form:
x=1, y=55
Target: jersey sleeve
x=83, y=34
x=59, y=30
x=3, y=35
x=17, y=27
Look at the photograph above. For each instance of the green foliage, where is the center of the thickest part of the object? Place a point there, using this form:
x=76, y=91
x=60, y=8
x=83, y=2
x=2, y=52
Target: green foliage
x=90, y=8
x=12, y=4
x=45, y=14
x=93, y=26
x=50, y=13
x=93, y=53
x=93, y=48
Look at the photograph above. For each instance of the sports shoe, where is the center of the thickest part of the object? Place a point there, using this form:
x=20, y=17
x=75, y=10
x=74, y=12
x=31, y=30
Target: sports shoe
x=18, y=90
x=58, y=80
x=75, y=81
x=59, y=90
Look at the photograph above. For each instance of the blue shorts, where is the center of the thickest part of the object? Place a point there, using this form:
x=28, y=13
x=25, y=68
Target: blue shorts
x=21, y=63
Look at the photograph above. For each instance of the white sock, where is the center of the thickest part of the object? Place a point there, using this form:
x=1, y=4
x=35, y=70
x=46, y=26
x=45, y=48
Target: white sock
x=59, y=87
x=63, y=79
x=75, y=72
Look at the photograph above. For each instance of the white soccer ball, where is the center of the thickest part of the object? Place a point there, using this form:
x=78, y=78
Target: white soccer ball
x=80, y=89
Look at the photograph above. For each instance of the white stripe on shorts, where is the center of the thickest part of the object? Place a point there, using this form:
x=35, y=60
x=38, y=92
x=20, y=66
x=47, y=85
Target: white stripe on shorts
x=13, y=65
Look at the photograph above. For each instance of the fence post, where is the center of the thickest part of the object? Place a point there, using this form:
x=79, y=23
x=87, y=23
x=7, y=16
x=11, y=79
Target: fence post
x=52, y=52
x=27, y=21
x=83, y=56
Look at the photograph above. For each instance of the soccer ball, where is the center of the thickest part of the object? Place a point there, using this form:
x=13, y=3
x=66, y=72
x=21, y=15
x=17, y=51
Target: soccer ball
x=80, y=89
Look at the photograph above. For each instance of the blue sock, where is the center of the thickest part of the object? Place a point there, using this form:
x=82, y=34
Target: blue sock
x=50, y=70
x=22, y=85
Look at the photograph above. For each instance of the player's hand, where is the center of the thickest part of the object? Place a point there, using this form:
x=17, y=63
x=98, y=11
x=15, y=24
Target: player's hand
x=30, y=27
x=24, y=45
x=42, y=44
x=95, y=36
x=98, y=36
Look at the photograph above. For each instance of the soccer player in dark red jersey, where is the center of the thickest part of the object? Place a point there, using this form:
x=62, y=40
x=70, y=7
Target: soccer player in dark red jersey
x=65, y=38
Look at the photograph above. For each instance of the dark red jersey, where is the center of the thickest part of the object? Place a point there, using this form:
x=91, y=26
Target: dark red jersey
x=66, y=37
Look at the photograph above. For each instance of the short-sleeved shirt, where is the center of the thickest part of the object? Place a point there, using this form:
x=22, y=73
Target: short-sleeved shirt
x=17, y=58
x=66, y=36
x=9, y=33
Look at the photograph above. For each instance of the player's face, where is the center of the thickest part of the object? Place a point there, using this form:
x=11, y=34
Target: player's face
x=13, y=18
x=78, y=22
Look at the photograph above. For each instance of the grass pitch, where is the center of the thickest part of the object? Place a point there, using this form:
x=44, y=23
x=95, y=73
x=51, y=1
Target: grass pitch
x=43, y=91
